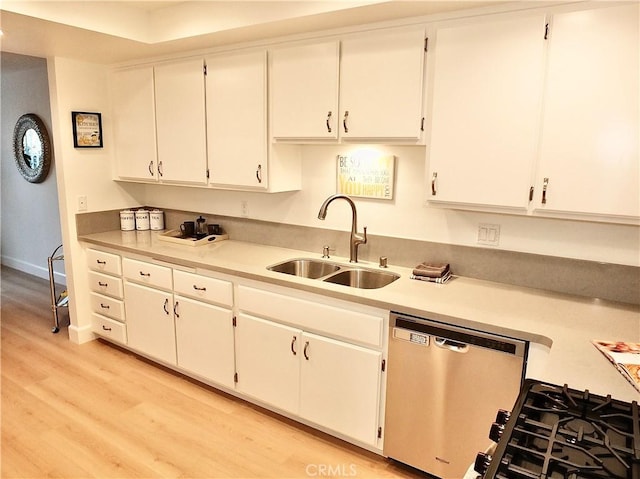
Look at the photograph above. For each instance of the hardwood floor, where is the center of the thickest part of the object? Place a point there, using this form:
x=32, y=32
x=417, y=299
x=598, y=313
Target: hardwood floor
x=93, y=410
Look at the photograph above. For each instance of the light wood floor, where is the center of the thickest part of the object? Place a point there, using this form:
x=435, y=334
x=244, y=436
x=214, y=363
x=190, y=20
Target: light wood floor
x=93, y=410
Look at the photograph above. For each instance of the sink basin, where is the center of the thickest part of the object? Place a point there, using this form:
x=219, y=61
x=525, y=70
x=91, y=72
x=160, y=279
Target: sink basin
x=362, y=278
x=306, y=268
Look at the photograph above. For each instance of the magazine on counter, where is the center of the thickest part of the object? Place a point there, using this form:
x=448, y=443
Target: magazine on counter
x=625, y=356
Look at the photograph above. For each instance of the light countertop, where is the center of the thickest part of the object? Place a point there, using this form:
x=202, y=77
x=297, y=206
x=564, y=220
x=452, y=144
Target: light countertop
x=560, y=326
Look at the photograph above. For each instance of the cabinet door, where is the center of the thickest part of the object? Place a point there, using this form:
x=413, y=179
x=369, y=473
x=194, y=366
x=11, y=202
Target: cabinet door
x=589, y=147
x=487, y=89
x=340, y=386
x=180, y=122
x=237, y=119
x=304, y=91
x=134, y=123
x=150, y=326
x=267, y=361
x=204, y=340
x=381, y=80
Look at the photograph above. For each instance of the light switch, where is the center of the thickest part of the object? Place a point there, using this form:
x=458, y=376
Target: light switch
x=488, y=234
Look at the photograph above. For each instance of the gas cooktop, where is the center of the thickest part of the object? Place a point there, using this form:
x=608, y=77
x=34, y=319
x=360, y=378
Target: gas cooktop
x=555, y=432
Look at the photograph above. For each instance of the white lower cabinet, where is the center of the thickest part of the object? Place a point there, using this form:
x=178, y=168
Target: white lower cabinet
x=340, y=386
x=204, y=340
x=267, y=361
x=328, y=382
x=150, y=326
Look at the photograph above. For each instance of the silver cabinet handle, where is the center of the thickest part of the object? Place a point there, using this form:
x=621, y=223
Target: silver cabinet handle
x=151, y=168
x=293, y=344
x=344, y=121
x=433, y=183
x=304, y=351
x=328, y=125
x=166, y=306
x=259, y=174
x=545, y=184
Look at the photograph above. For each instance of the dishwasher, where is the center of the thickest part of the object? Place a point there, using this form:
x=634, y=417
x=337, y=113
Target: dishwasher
x=444, y=386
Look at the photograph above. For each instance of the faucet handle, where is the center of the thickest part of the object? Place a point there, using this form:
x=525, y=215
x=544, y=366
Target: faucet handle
x=364, y=235
x=325, y=251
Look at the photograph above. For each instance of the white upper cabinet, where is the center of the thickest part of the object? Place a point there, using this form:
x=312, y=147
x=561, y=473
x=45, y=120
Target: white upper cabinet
x=181, y=122
x=134, y=124
x=487, y=87
x=304, y=91
x=381, y=84
x=364, y=87
x=589, y=146
x=237, y=119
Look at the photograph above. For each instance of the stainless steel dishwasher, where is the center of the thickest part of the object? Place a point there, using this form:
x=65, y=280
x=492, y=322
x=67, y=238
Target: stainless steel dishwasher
x=444, y=386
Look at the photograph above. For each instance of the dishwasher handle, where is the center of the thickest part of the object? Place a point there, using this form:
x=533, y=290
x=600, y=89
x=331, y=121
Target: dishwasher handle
x=455, y=346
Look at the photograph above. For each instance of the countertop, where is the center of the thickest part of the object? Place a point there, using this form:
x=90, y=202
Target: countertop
x=560, y=327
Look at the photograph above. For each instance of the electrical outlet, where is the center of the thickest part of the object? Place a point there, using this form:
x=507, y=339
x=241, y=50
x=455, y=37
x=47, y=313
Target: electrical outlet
x=82, y=203
x=244, y=208
x=488, y=234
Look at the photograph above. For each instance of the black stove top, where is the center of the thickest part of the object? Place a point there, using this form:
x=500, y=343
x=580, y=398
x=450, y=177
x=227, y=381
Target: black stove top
x=555, y=432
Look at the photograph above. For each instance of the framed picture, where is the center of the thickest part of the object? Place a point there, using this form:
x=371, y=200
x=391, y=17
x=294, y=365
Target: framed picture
x=366, y=174
x=87, y=129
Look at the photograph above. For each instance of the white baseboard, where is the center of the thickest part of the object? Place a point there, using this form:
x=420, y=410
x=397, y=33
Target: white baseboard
x=34, y=269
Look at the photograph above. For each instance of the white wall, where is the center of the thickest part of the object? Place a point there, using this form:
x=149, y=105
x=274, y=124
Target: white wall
x=407, y=216
x=78, y=86
x=30, y=215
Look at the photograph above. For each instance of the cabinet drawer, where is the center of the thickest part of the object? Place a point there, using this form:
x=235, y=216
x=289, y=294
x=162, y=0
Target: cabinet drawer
x=352, y=325
x=147, y=273
x=109, y=328
x=204, y=288
x=105, y=284
x=104, y=262
x=114, y=308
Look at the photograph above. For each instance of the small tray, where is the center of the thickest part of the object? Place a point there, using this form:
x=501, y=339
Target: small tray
x=175, y=236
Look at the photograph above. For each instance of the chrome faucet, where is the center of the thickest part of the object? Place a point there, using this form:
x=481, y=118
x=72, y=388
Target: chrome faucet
x=355, y=239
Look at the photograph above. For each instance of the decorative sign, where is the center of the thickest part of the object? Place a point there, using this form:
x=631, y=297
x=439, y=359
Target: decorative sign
x=366, y=175
x=87, y=129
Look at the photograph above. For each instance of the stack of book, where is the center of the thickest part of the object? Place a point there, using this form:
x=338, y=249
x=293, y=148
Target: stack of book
x=434, y=273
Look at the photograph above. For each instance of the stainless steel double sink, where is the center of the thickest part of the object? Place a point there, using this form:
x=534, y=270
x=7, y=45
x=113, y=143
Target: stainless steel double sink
x=329, y=272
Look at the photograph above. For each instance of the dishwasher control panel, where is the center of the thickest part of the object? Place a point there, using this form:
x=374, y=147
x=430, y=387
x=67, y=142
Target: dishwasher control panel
x=411, y=336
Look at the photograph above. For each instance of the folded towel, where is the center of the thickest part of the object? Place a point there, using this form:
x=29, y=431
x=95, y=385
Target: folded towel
x=446, y=277
x=431, y=270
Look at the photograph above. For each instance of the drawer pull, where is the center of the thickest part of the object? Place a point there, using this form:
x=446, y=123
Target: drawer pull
x=104, y=328
x=104, y=285
x=104, y=306
x=101, y=262
x=199, y=289
x=145, y=274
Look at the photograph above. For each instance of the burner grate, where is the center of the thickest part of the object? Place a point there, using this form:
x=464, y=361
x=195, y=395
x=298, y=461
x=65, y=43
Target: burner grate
x=559, y=433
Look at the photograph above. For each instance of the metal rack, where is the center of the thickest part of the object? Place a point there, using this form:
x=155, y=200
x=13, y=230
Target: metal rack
x=57, y=300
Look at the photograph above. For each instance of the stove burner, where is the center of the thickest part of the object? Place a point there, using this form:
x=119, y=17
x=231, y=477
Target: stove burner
x=581, y=427
x=558, y=433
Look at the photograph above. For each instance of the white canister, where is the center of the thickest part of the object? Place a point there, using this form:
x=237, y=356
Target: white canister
x=142, y=219
x=127, y=220
x=156, y=220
